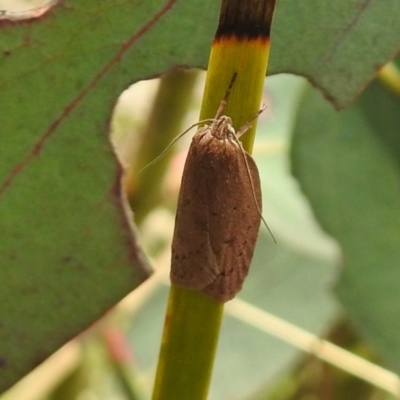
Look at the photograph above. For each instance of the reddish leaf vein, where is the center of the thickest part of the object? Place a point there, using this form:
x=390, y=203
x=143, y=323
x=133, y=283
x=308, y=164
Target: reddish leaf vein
x=39, y=145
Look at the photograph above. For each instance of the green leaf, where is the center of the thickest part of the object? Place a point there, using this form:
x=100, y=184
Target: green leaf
x=349, y=168
x=66, y=249
x=338, y=45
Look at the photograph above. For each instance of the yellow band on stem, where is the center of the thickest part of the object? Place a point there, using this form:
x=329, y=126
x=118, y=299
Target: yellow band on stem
x=249, y=59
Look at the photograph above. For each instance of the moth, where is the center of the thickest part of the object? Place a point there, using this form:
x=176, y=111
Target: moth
x=219, y=212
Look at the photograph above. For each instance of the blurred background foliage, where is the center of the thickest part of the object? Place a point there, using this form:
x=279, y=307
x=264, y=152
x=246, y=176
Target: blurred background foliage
x=341, y=287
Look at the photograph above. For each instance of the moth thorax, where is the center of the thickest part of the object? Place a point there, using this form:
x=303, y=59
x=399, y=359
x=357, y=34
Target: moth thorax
x=222, y=128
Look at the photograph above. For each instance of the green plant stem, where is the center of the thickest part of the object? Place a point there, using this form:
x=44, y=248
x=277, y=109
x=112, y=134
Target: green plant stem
x=143, y=189
x=188, y=346
x=193, y=321
x=121, y=360
x=389, y=74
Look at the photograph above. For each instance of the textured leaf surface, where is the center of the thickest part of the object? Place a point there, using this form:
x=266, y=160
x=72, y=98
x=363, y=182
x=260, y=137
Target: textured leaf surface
x=348, y=165
x=337, y=45
x=66, y=250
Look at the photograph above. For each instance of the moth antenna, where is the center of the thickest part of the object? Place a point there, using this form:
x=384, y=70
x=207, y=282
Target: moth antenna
x=222, y=106
x=239, y=133
x=254, y=194
x=220, y=111
x=173, y=142
x=247, y=125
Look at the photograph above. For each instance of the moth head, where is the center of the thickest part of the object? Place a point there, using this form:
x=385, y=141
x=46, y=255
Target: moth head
x=221, y=128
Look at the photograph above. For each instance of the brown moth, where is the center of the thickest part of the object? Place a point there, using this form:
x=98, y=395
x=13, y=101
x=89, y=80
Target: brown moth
x=218, y=214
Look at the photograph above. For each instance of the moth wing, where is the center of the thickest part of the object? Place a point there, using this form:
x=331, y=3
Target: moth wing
x=193, y=264
x=234, y=220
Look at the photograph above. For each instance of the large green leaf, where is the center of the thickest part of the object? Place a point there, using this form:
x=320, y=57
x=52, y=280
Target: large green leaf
x=348, y=166
x=338, y=45
x=66, y=249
